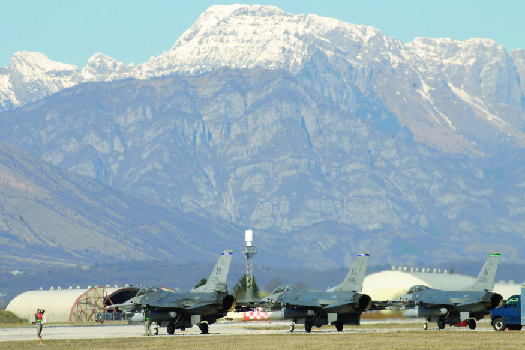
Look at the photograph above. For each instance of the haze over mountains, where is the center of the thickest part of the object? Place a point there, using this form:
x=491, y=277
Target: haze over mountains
x=326, y=134
x=54, y=217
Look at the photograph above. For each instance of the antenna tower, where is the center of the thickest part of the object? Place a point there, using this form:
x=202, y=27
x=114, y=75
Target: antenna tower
x=249, y=250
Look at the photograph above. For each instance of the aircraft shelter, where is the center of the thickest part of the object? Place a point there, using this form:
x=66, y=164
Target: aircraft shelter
x=388, y=285
x=71, y=304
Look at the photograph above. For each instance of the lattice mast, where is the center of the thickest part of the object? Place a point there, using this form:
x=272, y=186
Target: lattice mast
x=249, y=250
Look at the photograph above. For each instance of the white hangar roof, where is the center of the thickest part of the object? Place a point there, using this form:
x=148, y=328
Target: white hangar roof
x=63, y=305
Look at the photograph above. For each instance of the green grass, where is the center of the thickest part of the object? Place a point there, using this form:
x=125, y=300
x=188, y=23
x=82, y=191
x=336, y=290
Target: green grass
x=7, y=317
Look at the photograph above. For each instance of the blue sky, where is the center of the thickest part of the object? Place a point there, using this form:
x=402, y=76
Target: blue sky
x=71, y=31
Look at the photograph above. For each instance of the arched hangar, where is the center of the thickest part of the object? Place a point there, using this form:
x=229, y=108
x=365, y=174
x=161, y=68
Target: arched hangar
x=68, y=305
x=388, y=285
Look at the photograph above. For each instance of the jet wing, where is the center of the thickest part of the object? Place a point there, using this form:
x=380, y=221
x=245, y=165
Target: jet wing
x=468, y=303
x=427, y=302
x=194, y=307
x=114, y=306
x=438, y=301
x=122, y=307
x=383, y=304
x=203, y=308
x=304, y=303
x=330, y=307
x=243, y=305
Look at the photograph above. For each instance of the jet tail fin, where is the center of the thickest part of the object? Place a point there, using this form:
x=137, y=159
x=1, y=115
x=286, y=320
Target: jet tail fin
x=355, y=277
x=485, y=280
x=217, y=280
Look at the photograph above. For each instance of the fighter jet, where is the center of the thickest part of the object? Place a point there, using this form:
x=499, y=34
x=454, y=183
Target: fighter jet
x=339, y=305
x=201, y=306
x=450, y=307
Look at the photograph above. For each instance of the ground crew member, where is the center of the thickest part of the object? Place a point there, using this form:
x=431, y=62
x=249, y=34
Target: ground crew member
x=147, y=324
x=39, y=316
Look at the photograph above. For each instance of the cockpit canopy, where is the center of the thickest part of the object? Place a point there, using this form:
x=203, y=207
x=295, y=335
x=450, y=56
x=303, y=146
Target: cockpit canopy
x=282, y=289
x=146, y=290
x=417, y=288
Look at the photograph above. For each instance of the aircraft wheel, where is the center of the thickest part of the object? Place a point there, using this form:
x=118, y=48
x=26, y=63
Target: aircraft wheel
x=339, y=326
x=292, y=327
x=471, y=324
x=203, y=327
x=171, y=328
x=425, y=326
x=308, y=326
x=441, y=323
x=499, y=324
x=156, y=330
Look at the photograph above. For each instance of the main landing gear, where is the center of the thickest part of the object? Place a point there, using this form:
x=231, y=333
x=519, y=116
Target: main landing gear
x=308, y=326
x=441, y=323
x=171, y=328
x=471, y=323
x=203, y=326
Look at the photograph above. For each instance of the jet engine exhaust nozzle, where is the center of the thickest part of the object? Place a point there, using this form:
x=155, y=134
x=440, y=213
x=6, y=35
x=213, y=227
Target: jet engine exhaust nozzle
x=364, y=303
x=228, y=303
x=492, y=300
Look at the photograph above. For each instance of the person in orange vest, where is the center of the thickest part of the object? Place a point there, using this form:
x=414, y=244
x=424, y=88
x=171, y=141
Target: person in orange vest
x=39, y=316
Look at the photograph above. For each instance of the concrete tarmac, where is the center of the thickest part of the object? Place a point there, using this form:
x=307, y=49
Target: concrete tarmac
x=227, y=328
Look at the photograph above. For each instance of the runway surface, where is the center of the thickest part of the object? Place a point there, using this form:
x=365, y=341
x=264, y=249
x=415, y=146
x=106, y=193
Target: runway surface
x=227, y=328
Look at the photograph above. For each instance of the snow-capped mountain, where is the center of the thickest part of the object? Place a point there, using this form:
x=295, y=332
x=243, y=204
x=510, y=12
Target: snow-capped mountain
x=298, y=125
x=456, y=96
x=104, y=68
x=32, y=76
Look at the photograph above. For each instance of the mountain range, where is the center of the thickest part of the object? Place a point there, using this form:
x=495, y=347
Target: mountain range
x=54, y=217
x=456, y=96
x=325, y=136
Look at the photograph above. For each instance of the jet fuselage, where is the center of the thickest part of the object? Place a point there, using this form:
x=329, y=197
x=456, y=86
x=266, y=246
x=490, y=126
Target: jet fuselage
x=300, y=305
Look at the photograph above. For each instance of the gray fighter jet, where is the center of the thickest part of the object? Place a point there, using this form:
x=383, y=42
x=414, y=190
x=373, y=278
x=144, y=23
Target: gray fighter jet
x=201, y=306
x=450, y=307
x=338, y=305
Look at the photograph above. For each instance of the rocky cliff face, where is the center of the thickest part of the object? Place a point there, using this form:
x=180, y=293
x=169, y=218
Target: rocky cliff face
x=321, y=133
x=262, y=149
x=458, y=97
x=53, y=217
